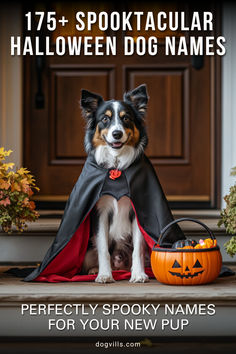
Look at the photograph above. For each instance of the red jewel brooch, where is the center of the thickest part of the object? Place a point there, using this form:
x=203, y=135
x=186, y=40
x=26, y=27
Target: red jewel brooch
x=114, y=174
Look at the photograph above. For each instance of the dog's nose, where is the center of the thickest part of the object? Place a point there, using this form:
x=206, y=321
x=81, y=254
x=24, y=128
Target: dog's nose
x=117, y=134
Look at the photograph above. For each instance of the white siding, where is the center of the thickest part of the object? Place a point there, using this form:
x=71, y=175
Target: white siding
x=229, y=97
x=10, y=84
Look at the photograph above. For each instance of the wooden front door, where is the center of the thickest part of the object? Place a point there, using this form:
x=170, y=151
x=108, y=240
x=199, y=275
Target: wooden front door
x=183, y=114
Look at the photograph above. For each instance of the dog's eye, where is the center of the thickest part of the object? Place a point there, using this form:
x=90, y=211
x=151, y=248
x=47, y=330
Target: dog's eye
x=126, y=119
x=105, y=119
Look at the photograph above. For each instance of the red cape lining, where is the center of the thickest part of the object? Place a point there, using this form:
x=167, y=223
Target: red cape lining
x=67, y=265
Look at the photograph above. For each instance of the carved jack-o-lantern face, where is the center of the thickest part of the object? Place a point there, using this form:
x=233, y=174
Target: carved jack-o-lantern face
x=186, y=273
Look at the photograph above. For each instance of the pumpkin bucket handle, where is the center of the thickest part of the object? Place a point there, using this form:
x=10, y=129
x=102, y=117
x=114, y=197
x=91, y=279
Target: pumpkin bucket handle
x=161, y=237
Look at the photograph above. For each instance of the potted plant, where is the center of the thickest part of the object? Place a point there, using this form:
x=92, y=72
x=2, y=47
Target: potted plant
x=228, y=217
x=16, y=190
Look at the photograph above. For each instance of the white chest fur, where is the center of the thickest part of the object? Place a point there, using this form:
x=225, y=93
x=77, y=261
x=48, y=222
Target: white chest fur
x=118, y=229
x=120, y=159
x=121, y=226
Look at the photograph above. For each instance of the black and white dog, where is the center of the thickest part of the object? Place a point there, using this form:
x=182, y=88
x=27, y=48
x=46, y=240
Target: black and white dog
x=116, y=135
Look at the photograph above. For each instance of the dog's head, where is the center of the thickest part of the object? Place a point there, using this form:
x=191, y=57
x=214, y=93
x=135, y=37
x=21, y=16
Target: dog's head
x=115, y=124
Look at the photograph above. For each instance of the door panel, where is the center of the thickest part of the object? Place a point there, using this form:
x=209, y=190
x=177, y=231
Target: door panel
x=169, y=89
x=67, y=125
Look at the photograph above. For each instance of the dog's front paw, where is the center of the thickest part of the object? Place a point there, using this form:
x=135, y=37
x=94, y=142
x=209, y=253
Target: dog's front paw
x=104, y=278
x=139, y=278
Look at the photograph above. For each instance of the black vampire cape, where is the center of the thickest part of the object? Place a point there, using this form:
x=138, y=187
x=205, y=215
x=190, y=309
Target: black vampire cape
x=63, y=261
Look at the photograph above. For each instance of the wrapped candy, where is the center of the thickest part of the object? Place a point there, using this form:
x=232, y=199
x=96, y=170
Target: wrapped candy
x=192, y=244
x=207, y=243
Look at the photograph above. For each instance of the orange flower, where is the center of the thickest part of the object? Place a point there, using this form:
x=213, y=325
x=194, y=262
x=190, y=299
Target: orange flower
x=32, y=205
x=25, y=202
x=25, y=185
x=15, y=187
x=5, y=202
x=4, y=184
x=30, y=192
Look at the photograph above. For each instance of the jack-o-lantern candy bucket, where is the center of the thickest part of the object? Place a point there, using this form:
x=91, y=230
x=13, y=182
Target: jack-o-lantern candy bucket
x=186, y=265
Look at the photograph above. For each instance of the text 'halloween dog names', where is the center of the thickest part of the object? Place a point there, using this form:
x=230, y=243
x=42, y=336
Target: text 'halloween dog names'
x=154, y=29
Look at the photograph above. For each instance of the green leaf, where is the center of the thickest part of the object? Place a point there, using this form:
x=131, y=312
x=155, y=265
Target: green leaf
x=230, y=246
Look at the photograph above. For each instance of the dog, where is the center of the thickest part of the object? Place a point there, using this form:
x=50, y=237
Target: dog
x=117, y=136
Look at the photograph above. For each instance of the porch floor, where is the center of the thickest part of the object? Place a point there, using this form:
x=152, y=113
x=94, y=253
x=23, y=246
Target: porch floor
x=14, y=289
x=220, y=294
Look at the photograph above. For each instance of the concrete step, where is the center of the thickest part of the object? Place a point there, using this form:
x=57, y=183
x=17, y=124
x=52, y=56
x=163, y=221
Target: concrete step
x=49, y=221
x=31, y=246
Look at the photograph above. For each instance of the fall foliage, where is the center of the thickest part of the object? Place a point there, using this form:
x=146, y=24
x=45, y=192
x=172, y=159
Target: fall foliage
x=228, y=217
x=16, y=188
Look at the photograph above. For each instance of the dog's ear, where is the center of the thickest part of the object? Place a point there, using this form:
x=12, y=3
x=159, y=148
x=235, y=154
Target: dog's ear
x=139, y=98
x=89, y=103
